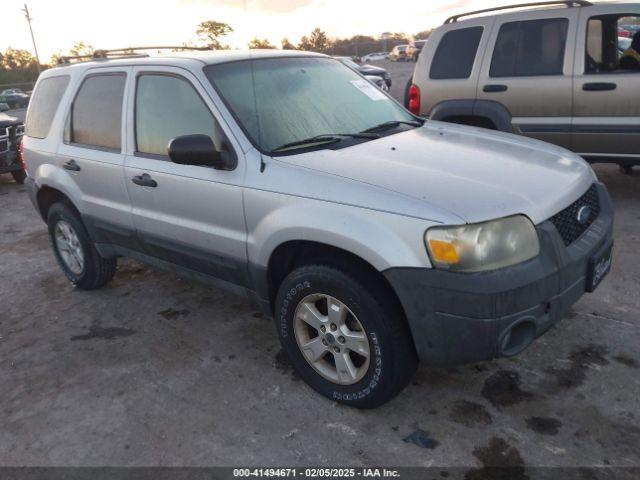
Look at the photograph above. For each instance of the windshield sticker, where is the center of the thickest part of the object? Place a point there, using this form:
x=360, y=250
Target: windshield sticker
x=369, y=89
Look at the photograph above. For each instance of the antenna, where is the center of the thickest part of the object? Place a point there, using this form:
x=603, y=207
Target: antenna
x=27, y=15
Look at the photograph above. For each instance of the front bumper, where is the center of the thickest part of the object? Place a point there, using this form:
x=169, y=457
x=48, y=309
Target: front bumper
x=9, y=162
x=459, y=318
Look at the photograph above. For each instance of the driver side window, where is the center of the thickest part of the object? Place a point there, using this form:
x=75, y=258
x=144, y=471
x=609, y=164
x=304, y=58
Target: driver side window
x=168, y=106
x=613, y=44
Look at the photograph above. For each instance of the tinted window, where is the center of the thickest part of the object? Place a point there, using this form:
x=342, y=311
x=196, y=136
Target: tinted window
x=96, y=114
x=168, y=107
x=44, y=104
x=530, y=48
x=456, y=53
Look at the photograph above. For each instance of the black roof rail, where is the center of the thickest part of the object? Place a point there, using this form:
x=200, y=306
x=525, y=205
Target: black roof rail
x=567, y=3
x=115, y=53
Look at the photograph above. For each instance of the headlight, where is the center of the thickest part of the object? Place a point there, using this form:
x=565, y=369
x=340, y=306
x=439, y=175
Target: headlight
x=483, y=246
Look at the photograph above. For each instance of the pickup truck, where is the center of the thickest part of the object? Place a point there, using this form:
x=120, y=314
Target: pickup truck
x=11, y=132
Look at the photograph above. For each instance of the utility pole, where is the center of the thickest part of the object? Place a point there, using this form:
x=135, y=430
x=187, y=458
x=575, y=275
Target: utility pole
x=28, y=17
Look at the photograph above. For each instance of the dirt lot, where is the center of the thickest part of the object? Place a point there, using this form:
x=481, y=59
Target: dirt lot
x=157, y=370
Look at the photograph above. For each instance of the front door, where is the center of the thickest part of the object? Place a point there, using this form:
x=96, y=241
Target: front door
x=606, y=101
x=188, y=215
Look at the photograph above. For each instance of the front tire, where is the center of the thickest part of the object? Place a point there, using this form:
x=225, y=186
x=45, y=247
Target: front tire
x=19, y=176
x=345, y=337
x=74, y=250
x=626, y=169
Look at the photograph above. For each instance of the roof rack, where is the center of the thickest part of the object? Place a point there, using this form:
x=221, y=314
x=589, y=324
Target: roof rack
x=569, y=4
x=115, y=53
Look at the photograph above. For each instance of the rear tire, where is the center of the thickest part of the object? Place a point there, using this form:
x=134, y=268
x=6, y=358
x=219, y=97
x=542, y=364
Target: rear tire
x=19, y=176
x=373, y=323
x=626, y=169
x=74, y=250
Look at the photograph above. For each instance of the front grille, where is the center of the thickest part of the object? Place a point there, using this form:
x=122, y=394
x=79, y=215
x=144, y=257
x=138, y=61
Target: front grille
x=4, y=140
x=566, y=221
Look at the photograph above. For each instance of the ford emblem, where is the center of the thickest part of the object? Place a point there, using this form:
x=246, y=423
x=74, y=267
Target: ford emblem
x=584, y=214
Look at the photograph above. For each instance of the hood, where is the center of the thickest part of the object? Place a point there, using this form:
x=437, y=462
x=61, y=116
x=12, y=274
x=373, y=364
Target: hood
x=473, y=173
x=7, y=121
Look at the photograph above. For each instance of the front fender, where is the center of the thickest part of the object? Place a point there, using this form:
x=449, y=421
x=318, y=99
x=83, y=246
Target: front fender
x=382, y=239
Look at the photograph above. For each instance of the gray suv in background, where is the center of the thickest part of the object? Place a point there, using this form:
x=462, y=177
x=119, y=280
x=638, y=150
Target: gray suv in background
x=373, y=237
x=554, y=73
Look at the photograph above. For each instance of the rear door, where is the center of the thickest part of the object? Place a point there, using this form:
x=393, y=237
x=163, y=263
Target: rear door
x=92, y=153
x=606, y=106
x=450, y=63
x=528, y=69
x=192, y=216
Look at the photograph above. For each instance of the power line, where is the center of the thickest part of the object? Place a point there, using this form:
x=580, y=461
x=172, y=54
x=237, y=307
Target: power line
x=27, y=15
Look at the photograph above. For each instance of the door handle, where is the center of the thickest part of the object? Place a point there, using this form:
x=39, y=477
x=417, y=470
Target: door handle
x=71, y=165
x=599, y=87
x=495, y=88
x=144, y=180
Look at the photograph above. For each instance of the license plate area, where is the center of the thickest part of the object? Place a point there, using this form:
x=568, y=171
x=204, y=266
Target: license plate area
x=599, y=266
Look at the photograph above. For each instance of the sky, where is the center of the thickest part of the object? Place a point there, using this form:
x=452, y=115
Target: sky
x=58, y=24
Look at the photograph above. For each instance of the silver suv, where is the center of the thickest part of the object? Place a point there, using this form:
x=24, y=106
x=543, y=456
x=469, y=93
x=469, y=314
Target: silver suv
x=555, y=73
x=373, y=237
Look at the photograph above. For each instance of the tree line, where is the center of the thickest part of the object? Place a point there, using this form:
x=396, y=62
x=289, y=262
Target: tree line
x=17, y=66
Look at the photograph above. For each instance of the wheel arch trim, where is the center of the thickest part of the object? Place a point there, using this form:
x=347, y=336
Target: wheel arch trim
x=496, y=112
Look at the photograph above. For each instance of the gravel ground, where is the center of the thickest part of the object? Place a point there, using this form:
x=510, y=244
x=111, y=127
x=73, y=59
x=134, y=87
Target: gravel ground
x=157, y=370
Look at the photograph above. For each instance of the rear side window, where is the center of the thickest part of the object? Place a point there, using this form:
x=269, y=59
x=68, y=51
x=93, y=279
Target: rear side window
x=96, y=113
x=44, y=104
x=530, y=48
x=456, y=54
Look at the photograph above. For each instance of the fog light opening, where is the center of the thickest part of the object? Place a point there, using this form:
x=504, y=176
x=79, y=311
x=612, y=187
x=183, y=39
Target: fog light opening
x=517, y=337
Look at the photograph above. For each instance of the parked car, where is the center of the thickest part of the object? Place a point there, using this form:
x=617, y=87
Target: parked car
x=550, y=74
x=399, y=53
x=11, y=132
x=373, y=237
x=367, y=70
x=378, y=82
x=414, y=49
x=15, y=98
x=376, y=57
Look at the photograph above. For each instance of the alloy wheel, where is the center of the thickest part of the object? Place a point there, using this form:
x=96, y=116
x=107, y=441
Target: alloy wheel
x=69, y=247
x=332, y=339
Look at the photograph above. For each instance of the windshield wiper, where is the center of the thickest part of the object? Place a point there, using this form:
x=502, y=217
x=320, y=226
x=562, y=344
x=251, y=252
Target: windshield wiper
x=327, y=138
x=393, y=124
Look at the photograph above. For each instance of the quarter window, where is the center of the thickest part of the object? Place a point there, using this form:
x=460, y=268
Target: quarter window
x=44, y=104
x=530, y=48
x=96, y=113
x=456, y=54
x=168, y=107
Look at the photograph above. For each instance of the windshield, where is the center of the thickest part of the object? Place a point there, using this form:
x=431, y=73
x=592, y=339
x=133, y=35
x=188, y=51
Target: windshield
x=298, y=98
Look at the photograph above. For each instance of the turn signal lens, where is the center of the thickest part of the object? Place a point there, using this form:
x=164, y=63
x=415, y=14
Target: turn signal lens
x=444, y=252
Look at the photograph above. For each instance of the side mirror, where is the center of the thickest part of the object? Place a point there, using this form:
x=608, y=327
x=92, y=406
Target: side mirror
x=199, y=150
